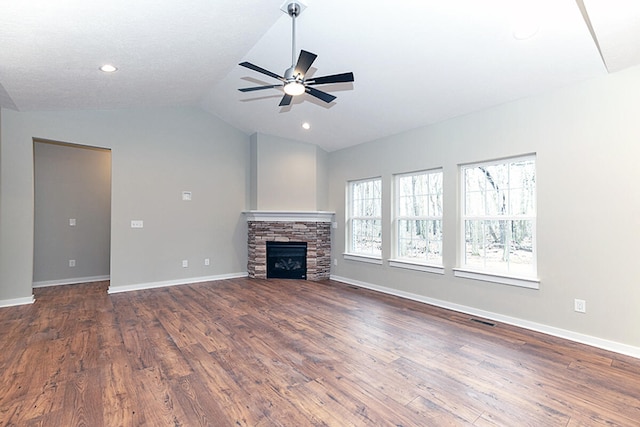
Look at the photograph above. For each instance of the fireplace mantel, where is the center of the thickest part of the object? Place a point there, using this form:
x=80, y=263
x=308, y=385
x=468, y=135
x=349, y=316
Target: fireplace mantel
x=289, y=216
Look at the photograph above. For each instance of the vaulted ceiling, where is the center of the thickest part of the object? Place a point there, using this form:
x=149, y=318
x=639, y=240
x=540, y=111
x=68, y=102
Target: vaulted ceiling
x=415, y=62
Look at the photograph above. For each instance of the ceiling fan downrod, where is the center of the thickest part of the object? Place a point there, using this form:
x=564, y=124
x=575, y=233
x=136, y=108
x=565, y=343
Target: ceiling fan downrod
x=293, y=9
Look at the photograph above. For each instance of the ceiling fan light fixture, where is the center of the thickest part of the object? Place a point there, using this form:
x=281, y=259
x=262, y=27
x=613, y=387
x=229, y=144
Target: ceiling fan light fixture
x=294, y=88
x=294, y=83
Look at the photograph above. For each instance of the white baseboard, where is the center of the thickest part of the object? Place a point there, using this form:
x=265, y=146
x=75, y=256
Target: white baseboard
x=17, y=301
x=177, y=282
x=71, y=281
x=538, y=327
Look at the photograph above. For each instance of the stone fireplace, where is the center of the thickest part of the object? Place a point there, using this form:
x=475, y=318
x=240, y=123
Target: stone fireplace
x=312, y=228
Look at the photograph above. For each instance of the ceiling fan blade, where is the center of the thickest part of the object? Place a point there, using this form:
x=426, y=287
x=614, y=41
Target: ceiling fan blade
x=335, y=78
x=304, y=62
x=251, y=89
x=286, y=100
x=320, y=94
x=253, y=67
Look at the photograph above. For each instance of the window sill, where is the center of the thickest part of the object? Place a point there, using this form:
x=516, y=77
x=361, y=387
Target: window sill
x=410, y=265
x=504, y=279
x=362, y=258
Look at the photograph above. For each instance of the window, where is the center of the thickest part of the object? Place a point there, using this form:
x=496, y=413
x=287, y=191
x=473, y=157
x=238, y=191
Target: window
x=365, y=222
x=499, y=217
x=418, y=224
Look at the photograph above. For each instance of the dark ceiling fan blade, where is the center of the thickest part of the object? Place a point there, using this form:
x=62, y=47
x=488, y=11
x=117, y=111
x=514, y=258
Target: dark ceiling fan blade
x=335, y=78
x=320, y=94
x=304, y=62
x=251, y=89
x=253, y=67
x=286, y=100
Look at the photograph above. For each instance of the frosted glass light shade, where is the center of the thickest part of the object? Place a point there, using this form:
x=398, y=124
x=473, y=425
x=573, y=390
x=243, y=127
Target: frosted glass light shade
x=294, y=88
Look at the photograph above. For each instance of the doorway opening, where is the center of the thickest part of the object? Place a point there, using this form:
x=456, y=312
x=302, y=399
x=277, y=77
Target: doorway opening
x=72, y=213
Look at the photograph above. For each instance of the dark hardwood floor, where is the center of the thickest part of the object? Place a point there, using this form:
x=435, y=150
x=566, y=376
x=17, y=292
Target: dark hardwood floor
x=248, y=352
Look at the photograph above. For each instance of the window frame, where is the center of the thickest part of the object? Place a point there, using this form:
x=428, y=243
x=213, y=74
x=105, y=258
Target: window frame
x=350, y=253
x=418, y=264
x=488, y=274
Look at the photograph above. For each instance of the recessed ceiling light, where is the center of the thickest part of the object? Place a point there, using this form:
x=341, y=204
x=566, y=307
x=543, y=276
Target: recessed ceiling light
x=108, y=68
x=306, y=126
x=525, y=32
x=525, y=25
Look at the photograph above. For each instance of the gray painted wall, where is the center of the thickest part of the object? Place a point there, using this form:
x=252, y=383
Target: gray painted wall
x=253, y=172
x=156, y=154
x=322, y=179
x=71, y=182
x=286, y=174
x=587, y=143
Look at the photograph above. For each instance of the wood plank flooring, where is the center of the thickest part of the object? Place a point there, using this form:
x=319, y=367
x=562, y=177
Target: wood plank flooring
x=245, y=352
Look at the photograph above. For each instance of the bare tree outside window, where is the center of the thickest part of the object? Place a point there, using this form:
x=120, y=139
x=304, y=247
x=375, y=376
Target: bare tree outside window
x=365, y=217
x=499, y=216
x=419, y=217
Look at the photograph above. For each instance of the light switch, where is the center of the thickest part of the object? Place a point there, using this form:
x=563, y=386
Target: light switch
x=72, y=222
x=186, y=195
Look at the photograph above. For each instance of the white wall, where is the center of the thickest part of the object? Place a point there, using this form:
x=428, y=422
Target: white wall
x=587, y=142
x=71, y=182
x=156, y=154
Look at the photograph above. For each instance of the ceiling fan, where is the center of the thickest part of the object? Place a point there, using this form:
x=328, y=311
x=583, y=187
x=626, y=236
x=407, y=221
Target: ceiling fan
x=293, y=82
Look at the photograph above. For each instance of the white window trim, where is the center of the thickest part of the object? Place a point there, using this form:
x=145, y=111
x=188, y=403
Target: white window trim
x=505, y=279
x=488, y=275
x=353, y=256
x=417, y=266
x=410, y=263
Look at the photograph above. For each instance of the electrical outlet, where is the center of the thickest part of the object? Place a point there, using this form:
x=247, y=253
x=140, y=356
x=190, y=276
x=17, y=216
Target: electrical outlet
x=137, y=223
x=207, y=261
x=185, y=263
x=580, y=305
x=335, y=261
x=72, y=263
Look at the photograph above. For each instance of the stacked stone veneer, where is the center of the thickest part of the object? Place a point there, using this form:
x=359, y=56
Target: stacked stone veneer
x=316, y=234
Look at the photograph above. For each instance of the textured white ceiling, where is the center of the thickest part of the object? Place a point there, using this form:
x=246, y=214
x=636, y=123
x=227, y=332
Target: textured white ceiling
x=168, y=52
x=415, y=62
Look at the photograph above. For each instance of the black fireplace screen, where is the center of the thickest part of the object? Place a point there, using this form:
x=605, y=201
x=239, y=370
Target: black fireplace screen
x=287, y=260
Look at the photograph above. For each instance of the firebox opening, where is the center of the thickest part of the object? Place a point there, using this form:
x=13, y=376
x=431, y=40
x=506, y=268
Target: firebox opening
x=286, y=260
